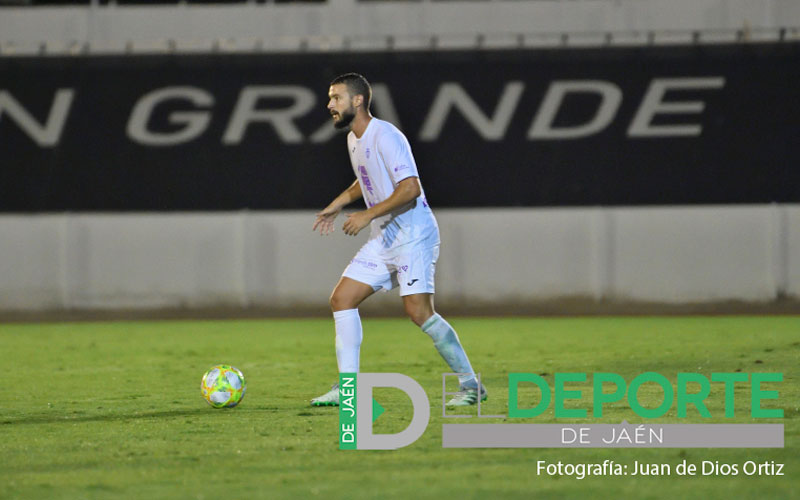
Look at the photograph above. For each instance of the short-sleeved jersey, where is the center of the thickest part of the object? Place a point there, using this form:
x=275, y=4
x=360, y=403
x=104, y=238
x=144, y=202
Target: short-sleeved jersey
x=381, y=158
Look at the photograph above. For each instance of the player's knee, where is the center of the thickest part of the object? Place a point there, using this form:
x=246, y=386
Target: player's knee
x=418, y=319
x=339, y=302
x=418, y=314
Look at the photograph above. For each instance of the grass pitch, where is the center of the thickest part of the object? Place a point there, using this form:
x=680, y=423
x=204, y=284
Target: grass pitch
x=113, y=410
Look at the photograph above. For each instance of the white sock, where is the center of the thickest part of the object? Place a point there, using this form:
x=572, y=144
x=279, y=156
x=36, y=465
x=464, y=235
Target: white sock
x=348, y=339
x=446, y=341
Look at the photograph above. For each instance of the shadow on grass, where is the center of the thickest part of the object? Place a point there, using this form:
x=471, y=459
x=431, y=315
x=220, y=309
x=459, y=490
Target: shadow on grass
x=137, y=415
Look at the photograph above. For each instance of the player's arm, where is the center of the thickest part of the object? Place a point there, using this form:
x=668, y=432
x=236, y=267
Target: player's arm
x=325, y=218
x=406, y=190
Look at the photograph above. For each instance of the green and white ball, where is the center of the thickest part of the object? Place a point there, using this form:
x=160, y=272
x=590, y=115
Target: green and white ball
x=223, y=386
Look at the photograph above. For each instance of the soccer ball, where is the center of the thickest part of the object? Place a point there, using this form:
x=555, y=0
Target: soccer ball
x=223, y=386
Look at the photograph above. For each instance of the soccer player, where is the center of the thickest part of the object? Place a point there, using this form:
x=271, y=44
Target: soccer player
x=404, y=238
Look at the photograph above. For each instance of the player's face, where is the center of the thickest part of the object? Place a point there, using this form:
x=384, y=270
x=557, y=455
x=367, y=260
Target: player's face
x=340, y=105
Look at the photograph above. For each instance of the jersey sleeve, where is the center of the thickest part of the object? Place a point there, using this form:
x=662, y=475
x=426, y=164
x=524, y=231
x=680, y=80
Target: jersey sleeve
x=397, y=157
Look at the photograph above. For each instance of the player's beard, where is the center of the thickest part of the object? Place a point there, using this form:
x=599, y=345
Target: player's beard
x=345, y=118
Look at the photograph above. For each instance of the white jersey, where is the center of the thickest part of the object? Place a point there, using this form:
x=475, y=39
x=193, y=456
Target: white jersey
x=381, y=158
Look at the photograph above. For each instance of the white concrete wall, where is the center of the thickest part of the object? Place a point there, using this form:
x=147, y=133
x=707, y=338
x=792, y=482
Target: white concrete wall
x=665, y=254
x=327, y=25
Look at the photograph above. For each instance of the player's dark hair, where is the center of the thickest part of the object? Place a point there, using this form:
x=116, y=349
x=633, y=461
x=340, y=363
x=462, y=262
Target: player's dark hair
x=356, y=85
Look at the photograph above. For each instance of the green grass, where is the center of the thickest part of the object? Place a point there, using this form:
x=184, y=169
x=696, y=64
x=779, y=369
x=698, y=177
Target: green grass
x=113, y=410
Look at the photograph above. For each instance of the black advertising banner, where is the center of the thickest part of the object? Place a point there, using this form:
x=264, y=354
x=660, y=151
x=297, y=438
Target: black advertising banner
x=568, y=127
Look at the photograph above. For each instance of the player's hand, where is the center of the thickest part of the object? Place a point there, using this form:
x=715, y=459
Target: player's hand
x=356, y=222
x=324, y=221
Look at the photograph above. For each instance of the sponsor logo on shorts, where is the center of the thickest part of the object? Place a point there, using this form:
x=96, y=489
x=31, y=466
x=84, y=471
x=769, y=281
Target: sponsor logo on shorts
x=410, y=283
x=402, y=269
x=364, y=263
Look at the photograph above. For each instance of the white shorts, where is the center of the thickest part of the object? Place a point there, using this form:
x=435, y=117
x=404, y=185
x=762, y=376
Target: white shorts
x=413, y=270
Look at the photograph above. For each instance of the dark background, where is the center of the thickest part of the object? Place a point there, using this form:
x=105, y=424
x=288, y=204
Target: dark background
x=749, y=151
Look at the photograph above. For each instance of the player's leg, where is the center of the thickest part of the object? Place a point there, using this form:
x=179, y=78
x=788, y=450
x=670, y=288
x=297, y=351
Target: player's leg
x=416, y=289
x=419, y=308
x=347, y=295
x=345, y=299
x=365, y=274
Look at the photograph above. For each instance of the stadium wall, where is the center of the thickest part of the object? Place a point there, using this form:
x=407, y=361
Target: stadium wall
x=650, y=174
x=670, y=255
x=327, y=25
